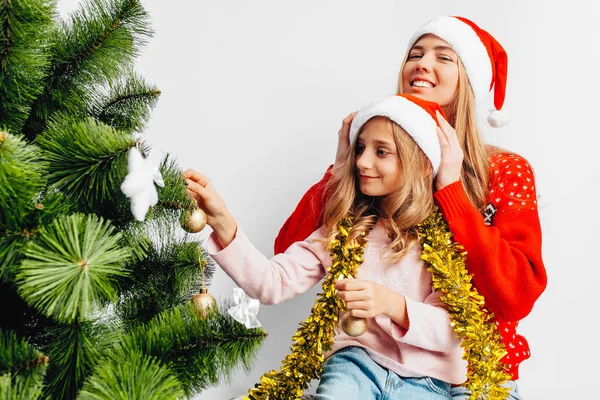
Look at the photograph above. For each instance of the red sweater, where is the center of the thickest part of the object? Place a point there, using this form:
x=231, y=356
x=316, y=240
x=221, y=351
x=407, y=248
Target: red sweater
x=504, y=246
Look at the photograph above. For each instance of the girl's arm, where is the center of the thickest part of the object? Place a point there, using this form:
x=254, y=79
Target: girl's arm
x=422, y=324
x=428, y=325
x=269, y=281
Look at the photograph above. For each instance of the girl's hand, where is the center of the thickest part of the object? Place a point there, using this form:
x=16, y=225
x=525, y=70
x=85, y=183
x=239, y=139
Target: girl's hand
x=207, y=198
x=344, y=138
x=452, y=154
x=365, y=299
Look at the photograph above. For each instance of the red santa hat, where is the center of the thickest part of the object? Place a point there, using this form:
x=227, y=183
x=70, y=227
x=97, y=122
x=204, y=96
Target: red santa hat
x=416, y=116
x=485, y=60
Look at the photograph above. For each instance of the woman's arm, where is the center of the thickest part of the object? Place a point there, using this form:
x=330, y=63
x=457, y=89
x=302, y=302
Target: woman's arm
x=504, y=250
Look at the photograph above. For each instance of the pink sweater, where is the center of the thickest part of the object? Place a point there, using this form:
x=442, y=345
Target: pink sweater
x=428, y=348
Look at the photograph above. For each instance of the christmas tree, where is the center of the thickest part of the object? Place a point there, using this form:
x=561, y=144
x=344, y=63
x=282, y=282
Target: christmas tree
x=96, y=284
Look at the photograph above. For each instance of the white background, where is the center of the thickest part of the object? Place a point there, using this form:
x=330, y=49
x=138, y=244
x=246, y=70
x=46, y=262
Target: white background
x=253, y=93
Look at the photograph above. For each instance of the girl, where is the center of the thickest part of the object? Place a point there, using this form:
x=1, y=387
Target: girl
x=385, y=182
x=487, y=195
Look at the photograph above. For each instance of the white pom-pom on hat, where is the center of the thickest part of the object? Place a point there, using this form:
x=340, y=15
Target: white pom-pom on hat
x=498, y=118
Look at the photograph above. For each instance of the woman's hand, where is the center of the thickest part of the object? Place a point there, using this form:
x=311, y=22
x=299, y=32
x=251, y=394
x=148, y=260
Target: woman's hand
x=344, y=138
x=207, y=198
x=452, y=154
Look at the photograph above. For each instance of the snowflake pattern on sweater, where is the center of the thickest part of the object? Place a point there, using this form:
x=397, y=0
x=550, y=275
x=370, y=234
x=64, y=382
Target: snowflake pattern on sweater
x=512, y=187
x=512, y=184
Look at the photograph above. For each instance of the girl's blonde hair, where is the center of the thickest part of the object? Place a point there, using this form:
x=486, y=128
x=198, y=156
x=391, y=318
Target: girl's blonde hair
x=462, y=116
x=402, y=210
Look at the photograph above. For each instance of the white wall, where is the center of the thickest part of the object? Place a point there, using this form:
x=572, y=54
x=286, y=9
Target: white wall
x=254, y=93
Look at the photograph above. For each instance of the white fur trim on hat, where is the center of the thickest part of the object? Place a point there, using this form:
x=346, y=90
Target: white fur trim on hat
x=468, y=46
x=417, y=122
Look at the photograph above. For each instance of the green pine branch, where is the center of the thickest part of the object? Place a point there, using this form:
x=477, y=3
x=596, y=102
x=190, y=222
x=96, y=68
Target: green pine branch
x=174, y=195
x=99, y=43
x=87, y=161
x=128, y=103
x=137, y=239
x=24, y=56
x=165, y=279
x=14, y=238
x=74, y=351
x=22, y=173
x=22, y=177
x=72, y=266
x=200, y=351
x=22, y=368
x=130, y=375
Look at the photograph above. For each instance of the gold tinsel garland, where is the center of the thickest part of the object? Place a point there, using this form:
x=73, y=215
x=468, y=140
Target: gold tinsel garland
x=315, y=335
x=470, y=319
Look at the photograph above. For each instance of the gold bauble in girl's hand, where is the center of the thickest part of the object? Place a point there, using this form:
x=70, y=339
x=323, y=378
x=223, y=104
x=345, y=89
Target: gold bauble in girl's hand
x=193, y=221
x=353, y=326
x=204, y=302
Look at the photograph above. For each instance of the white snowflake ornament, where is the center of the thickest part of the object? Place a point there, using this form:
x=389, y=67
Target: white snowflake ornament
x=138, y=186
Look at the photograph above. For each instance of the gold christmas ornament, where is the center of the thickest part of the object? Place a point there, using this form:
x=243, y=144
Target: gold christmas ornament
x=193, y=221
x=353, y=326
x=204, y=302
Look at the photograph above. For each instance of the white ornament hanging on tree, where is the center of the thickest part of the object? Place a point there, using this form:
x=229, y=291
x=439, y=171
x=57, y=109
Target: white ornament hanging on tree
x=245, y=309
x=138, y=186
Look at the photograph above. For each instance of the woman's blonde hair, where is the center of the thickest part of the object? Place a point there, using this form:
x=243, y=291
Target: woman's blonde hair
x=402, y=210
x=462, y=116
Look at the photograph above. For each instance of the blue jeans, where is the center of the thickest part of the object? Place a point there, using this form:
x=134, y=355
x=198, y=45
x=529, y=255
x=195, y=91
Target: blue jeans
x=350, y=374
x=460, y=393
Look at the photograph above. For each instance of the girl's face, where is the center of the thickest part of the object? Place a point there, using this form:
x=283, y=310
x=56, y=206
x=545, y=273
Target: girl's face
x=431, y=71
x=377, y=159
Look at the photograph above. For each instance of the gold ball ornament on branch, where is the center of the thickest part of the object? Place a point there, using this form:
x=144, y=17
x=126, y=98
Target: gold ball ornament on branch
x=203, y=301
x=353, y=326
x=194, y=220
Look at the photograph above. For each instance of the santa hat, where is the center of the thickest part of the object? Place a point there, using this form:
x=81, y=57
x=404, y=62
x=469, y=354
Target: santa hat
x=416, y=116
x=484, y=58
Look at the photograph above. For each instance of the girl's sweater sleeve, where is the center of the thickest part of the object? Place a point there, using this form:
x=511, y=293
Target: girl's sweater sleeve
x=504, y=247
x=305, y=219
x=271, y=281
x=430, y=326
